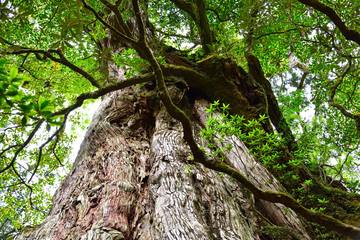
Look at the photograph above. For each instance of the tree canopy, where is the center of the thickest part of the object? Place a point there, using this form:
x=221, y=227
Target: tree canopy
x=55, y=57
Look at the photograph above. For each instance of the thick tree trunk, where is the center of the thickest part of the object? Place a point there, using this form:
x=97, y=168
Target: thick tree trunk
x=132, y=180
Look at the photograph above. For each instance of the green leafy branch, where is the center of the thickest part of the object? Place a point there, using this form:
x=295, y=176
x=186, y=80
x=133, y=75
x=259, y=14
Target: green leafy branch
x=266, y=147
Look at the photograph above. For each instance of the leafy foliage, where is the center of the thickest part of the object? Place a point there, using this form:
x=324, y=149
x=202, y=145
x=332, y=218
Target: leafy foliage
x=221, y=125
x=22, y=204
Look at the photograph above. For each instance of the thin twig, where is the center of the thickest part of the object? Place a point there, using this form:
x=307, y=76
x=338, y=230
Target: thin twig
x=22, y=146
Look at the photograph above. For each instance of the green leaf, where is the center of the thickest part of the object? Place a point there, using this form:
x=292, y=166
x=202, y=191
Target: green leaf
x=13, y=73
x=44, y=104
x=26, y=108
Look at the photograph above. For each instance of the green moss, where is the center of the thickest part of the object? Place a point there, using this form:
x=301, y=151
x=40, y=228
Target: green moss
x=278, y=232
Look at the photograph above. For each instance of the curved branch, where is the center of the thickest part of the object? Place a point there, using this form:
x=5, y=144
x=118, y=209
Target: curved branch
x=22, y=181
x=187, y=7
x=22, y=146
x=105, y=90
x=61, y=59
x=341, y=108
x=55, y=134
x=329, y=222
x=349, y=34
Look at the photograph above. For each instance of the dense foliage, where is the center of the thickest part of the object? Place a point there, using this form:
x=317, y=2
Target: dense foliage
x=54, y=51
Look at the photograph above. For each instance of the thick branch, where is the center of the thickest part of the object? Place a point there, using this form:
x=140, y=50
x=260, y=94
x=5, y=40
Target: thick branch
x=187, y=7
x=105, y=90
x=203, y=24
x=197, y=12
x=329, y=222
x=349, y=34
x=141, y=25
x=273, y=108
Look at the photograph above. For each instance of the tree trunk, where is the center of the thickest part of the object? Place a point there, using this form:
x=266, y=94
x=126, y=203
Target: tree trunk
x=132, y=180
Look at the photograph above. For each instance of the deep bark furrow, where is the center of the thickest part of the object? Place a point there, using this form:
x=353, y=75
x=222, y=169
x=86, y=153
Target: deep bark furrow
x=189, y=191
x=95, y=200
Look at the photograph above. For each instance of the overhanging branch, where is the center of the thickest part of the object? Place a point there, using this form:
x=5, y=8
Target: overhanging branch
x=60, y=59
x=103, y=91
x=349, y=34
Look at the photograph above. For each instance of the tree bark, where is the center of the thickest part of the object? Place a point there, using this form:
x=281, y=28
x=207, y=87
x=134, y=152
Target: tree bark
x=132, y=180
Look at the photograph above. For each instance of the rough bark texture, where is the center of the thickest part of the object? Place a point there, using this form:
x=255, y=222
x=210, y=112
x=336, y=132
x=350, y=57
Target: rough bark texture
x=132, y=180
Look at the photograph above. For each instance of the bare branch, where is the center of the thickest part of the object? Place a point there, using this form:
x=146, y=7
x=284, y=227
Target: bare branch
x=53, y=150
x=8, y=148
x=24, y=183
